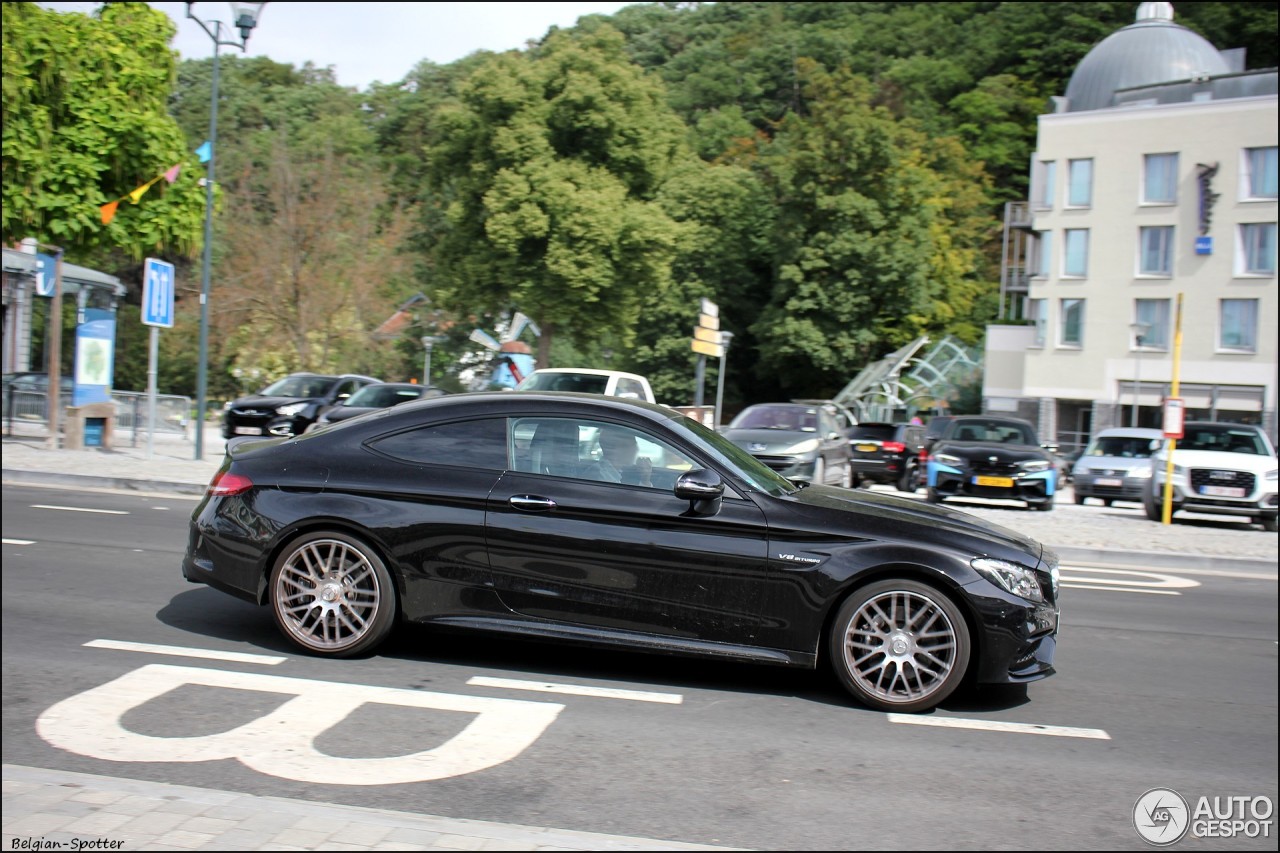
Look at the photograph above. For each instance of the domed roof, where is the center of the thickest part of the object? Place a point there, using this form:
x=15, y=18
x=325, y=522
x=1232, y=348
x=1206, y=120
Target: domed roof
x=1152, y=50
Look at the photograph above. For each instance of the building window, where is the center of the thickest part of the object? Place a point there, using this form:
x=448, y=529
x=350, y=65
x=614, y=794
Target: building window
x=1075, y=252
x=1260, y=180
x=1036, y=313
x=1238, y=325
x=1155, y=250
x=1160, y=179
x=1154, y=314
x=1045, y=178
x=1071, y=323
x=1080, y=183
x=1257, y=249
x=1041, y=250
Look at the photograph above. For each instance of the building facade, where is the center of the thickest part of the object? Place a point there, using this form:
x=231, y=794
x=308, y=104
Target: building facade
x=1153, y=185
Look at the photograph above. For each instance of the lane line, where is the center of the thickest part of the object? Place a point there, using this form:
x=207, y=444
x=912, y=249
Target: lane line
x=80, y=509
x=184, y=652
x=997, y=726
x=19, y=541
x=577, y=690
x=1121, y=589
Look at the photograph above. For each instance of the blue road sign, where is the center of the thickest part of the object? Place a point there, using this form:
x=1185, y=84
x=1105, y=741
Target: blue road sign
x=46, y=274
x=157, y=294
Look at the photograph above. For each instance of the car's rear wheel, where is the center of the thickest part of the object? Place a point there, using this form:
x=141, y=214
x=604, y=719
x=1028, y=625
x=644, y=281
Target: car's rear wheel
x=907, y=482
x=899, y=645
x=332, y=595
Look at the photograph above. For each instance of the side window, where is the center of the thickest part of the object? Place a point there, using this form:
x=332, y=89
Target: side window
x=467, y=444
x=593, y=450
x=345, y=389
x=629, y=388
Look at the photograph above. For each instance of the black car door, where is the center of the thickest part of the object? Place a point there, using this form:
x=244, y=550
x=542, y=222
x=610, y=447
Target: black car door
x=566, y=547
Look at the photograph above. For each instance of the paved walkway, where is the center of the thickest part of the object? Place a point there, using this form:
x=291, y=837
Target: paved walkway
x=43, y=807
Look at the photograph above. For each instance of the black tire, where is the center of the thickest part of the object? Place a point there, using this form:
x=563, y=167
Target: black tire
x=1153, y=509
x=1080, y=499
x=1268, y=523
x=1106, y=501
x=332, y=595
x=899, y=645
x=1043, y=506
x=933, y=497
x=907, y=482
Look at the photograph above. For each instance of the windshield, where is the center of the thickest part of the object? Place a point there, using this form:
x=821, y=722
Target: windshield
x=381, y=396
x=1224, y=437
x=791, y=418
x=751, y=469
x=1001, y=432
x=1123, y=446
x=299, y=386
x=587, y=383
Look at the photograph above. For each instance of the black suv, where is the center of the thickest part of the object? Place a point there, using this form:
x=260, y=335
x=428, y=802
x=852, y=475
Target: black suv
x=290, y=405
x=886, y=453
x=982, y=456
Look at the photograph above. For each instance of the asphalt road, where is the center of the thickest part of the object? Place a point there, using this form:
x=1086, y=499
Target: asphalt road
x=1166, y=679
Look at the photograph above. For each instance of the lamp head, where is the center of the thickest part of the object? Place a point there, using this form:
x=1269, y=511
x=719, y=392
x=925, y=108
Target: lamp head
x=246, y=17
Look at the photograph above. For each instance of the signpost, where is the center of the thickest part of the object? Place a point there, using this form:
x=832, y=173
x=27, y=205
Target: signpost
x=157, y=312
x=706, y=342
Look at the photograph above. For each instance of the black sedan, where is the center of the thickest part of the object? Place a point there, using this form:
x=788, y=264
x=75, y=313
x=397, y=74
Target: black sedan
x=502, y=513
x=980, y=456
x=370, y=398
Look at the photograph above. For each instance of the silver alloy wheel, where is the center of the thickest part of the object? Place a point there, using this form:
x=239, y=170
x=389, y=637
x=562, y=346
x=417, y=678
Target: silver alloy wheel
x=900, y=647
x=327, y=595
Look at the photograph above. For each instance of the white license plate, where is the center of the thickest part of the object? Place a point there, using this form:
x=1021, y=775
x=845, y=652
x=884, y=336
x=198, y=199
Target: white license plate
x=248, y=431
x=1222, y=491
x=1108, y=481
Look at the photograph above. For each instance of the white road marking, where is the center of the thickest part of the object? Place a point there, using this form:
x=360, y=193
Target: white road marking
x=19, y=542
x=184, y=651
x=578, y=690
x=283, y=742
x=1125, y=580
x=79, y=509
x=997, y=726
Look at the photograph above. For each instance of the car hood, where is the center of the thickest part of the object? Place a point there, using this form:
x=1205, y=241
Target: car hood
x=1085, y=464
x=767, y=440
x=341, y=413
x=911, y=520
x=1219, y=459
x=257, y=401
x=985, y=449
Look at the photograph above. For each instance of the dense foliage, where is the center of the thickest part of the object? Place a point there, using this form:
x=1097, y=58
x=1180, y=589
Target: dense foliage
x=831, y=174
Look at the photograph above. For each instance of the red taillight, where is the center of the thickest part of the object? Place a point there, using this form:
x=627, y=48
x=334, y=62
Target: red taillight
x=895, y=447
x=225, y=484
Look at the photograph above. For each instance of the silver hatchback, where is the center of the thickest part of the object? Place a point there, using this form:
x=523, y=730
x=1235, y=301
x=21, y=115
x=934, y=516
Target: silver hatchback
x=1116, y=466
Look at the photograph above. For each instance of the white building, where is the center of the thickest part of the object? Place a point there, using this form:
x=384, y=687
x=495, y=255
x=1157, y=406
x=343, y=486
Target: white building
x=1153, y=179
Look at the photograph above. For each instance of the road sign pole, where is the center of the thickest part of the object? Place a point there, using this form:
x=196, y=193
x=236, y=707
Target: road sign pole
x=698, y=379
x=152, y=361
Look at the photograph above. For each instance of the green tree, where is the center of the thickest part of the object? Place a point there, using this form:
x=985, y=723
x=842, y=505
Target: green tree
x=545, y=175
x=85, y=124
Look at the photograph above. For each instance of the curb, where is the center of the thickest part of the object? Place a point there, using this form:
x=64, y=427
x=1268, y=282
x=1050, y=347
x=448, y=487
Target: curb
x=126, y=484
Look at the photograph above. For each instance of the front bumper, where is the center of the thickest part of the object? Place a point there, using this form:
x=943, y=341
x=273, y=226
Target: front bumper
x=792, y=467
x=1017, y=638
x=1259, y=501
x=1109, y=485
x=1034, y=487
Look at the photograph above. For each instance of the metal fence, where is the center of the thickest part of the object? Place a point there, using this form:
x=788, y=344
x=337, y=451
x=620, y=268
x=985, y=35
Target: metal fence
x=173, y=413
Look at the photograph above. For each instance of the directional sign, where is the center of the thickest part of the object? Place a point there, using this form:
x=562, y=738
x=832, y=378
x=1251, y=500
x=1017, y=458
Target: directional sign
x=704, y=348
x=46, y=274
x=157, y=293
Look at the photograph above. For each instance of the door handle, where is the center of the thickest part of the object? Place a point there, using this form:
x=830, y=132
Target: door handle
x=531, y=503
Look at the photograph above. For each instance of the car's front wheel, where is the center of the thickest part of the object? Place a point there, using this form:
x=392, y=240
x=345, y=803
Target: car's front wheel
x=1268, y=522
x=1153, y=508
x=332, y=595
x=899, y=645
x=933, y=497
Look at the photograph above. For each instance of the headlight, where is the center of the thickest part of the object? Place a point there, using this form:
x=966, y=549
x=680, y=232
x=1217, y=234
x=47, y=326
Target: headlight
x=1035, y=465
x=947, y=459
x=1018, y=580
x=1140, y=473
x=1272, y=474
x=291, y=409
x=226, y=407
x=807, y=446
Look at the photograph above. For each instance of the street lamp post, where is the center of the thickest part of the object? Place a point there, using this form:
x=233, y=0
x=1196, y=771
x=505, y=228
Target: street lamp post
x=1140, y=331
x=246, y=18
x=428, y=342
x=725, y=338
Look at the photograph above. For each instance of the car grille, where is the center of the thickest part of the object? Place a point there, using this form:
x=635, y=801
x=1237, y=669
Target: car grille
x=1237, y=479
x=778, y=463
x=982, y=465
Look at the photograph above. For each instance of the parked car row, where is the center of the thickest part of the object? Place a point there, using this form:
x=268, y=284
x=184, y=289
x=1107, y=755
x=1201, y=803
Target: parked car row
x=300, y=401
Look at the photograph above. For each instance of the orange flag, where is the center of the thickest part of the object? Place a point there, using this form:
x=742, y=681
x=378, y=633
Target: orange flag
x=109, y=212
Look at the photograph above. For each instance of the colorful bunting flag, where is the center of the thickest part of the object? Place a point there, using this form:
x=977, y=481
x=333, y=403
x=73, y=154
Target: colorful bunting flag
x=205, y=152
x=172, y=174
x=109, y=212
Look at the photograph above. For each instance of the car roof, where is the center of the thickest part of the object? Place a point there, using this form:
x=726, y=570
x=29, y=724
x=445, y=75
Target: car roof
x=539, y=402
x=1131, y=432
x=587, y=370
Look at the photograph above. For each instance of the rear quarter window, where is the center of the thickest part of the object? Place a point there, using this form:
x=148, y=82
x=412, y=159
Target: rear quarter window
x=467, y=444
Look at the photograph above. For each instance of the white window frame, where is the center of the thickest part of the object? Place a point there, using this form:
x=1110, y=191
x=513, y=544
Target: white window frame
x=1154, y=313
x=1042, y=261
x=1045, y=189
x=1147, y=161
x=1067, y=238
x=1247, y=171
x=1252, y=346
x=1143, y=230
x=1076, y=180
x=1037, y=313
x=1064, y=306
x=1245, y=235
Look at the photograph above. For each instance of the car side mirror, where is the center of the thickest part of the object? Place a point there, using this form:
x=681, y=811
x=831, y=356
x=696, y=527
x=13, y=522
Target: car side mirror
x=1051, y=447
x=702, y=488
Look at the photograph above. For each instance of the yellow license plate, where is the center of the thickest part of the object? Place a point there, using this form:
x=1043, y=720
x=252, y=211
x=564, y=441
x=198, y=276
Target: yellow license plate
x=867, y=448
x=1004, y=482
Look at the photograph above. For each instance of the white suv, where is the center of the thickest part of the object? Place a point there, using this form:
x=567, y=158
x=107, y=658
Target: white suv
x=612, y=383
x=1218, y=468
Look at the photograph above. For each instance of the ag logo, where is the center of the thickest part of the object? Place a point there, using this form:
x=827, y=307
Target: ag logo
x=1161, y=817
